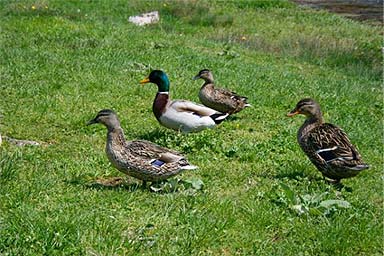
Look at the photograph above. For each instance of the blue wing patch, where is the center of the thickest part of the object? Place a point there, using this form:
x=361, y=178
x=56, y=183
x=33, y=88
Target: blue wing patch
x=157, y=163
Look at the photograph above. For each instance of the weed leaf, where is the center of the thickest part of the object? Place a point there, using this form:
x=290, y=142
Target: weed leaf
x=339, y=203
x=289, y=193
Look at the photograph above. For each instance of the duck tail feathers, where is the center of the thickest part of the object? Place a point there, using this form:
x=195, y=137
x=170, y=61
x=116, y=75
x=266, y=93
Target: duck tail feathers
x=219, y=117
x=360, y=167
x=189, y=167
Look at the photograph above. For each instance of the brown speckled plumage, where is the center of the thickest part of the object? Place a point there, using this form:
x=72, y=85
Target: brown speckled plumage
x=326, y=145
x=219, y=99
x=140, y=159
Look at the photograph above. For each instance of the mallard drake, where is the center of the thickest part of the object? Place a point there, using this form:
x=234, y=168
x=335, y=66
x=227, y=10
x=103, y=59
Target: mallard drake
x=141, y=159
x=180, y=115
x=326, y=145
x=219, y=99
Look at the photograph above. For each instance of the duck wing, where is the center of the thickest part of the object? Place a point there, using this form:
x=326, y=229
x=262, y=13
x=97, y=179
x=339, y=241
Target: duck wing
x=230, y=94
x=330, y=146
x=149, y=162
x=146, y=149
x=225, y=96
x=191, y=107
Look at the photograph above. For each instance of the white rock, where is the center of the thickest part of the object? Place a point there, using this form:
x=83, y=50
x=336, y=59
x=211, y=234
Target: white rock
x=145, y=18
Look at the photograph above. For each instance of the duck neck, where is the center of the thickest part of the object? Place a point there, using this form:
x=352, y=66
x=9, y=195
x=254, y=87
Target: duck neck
x=163, y=85
x=208, y=84
x=310, y=123
x=160, y=104
x=316, y=118
x=115, y=137
x=208, y=80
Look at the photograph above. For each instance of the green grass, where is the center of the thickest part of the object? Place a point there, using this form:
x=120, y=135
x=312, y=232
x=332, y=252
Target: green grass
x=62, y=61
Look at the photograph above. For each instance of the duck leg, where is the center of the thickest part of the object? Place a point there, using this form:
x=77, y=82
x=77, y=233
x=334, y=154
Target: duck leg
x=334, y=182
x=331, y=181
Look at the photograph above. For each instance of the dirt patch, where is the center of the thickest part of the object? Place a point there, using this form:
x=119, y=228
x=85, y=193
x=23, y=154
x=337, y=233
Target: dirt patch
x=368, y=10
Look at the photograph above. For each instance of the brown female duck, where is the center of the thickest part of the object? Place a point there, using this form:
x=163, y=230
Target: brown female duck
x=326, y=145
x=140, y=159
x=219, y=99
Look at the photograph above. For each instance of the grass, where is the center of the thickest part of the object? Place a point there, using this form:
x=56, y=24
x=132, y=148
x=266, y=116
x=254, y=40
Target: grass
x=62, y=61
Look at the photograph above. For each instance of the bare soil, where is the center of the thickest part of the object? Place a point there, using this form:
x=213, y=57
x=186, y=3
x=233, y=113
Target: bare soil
x=367, y=10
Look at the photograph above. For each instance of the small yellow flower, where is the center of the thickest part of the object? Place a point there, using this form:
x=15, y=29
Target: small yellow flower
x=46, y=7
x=33, y=7
x=243, y=38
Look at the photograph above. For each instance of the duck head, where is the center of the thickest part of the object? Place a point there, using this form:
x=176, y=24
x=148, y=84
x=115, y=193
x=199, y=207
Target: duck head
x=204, y=74
x=308, y=107
x=159, y=78
x=106, y=117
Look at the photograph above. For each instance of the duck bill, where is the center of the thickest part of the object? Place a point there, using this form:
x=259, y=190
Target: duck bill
x=293, y=113
x=93, y=121
x=196, y=77
x=145, y=80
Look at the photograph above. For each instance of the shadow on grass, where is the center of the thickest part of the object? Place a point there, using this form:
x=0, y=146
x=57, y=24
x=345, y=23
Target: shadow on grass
x=231, y=118
x=167, y=186
x=299, y=176
x=339, y=187
x=114, y=183
x=296, y=175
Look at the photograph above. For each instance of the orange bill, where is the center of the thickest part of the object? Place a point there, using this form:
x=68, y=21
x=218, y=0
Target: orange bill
x=145, y=80
x=293, y=112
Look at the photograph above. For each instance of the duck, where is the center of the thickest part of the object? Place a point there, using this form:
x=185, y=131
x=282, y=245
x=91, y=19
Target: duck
x=326, y=145
x=140, y=159
x=180, y=115
x=219, y=99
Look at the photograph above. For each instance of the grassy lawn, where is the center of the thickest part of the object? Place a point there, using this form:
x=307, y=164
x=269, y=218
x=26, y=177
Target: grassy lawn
x=63, y=61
